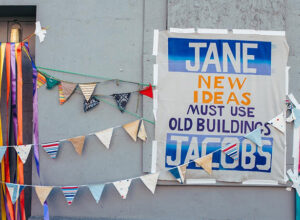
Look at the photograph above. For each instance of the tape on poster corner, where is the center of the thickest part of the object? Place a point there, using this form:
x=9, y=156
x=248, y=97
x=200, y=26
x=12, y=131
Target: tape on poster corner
x=154, y=154
x=155, y=42
x=155, y=74
x=182, y=30
x=155, y=102
x=258, y=32
x=287, y=68
x=200, y=181
x=211, y=31
x=260, y=182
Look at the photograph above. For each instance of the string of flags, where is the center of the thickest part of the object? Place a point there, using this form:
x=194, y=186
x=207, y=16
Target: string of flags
x=123, y=186
x=66, y=89
x=135, y=130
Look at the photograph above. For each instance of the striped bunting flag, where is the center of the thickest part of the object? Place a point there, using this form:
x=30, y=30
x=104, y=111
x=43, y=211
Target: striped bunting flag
x=51, y=149
x=69, y=193
x=41, y=80
x=231, y=150
x=61, y=96
x=87, y=90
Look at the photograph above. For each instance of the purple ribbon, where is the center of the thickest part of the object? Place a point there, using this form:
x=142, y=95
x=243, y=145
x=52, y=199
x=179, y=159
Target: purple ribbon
x=13, y=89
x=35, y=124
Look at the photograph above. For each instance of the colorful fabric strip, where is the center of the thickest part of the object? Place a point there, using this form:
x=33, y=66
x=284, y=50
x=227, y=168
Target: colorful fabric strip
x=61, y=97
x=41, y=80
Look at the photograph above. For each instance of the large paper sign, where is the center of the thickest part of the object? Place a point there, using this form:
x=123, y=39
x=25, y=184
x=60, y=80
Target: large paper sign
x=212, y=91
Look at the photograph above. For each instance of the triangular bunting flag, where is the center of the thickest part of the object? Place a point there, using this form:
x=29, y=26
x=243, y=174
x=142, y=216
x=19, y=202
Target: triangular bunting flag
x=69, y=193
x=122, y=99
x=51, y=82
x=255, y=136
x=96, y=191
x=41, y=80
x=68, y=89
x=51, y=149
x=231, y=150
x=87, y=90
x=23, y=151
x=88, y=105
x=150, y=181
x=105, y=136
x=147, y=91
x=278, y=122
x=42, y=192
x=78, y=143
x=205, y=162
x=142, y=132
x=61, y=96
x=178, y=173
x=296, y=113
x=122, y=187
x=2, y=152
x=132, y=129
x=14, y=191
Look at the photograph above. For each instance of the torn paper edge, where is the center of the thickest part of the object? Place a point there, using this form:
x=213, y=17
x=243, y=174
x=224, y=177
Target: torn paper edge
x=258, y=32
x=155, y=74
x=260, y=182
x=154, y=156
x=287, y=68
x=155, y=103
x=200, y=181
x=211, y=31
x=182, y=30
x=155, y=42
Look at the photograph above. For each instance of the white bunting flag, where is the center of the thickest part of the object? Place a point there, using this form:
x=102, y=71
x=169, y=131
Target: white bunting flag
x=278, y=122
x=23, y=151
x=142, y=132
x=150, y=181
x=122, y=187
x=105, y=136
x=42, y=192
x=96, y=191
x=87, y=90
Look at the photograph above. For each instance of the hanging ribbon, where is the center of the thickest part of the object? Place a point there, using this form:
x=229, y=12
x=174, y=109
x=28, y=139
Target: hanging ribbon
x=35, y=122
x=20, y=123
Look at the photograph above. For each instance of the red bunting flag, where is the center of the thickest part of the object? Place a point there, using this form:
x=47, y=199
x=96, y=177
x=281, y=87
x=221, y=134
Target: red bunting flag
x=147, y=91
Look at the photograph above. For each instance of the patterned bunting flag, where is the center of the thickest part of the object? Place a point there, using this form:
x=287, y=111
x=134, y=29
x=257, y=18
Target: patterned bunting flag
x=78, y=143
x=105, y=136
x=205, y=162
x=142, y=132
x=2, y=152
x=23, y=151
x=122, y=99
x=132, y=129
x=14, y=191
x=179, y=173
x=255, y=136
x=296, y=113
x=51, y=82
x=41, y=80
x=51, y=149
x=96, y=191
x=122, y=187
x=88, y=105
x=231, y=150
x=42, y=192
x=150, y=181
x=148, y=91
x=61, y=96
x=87, y=90
x=278, y=122
x=69, y=193
x=68, y=89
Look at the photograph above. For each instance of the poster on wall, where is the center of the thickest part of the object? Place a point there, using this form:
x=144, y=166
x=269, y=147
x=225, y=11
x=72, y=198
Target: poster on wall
x=213, y=89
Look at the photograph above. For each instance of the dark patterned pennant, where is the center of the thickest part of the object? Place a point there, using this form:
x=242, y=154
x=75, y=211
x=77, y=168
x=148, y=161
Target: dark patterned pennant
x=122, y=99
x=88, y=105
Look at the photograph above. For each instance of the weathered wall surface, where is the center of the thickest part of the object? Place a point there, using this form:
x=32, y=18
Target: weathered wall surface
x=113, y=38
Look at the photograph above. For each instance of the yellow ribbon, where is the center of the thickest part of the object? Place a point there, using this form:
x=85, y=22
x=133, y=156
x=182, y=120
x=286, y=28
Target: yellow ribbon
x=3, y=212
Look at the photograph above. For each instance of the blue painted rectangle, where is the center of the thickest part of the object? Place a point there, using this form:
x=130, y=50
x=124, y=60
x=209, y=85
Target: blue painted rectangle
x=259, y=164
x=179, y=52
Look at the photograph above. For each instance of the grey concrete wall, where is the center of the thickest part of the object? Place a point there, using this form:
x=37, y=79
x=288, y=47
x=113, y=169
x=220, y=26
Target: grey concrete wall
x=113, y=38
